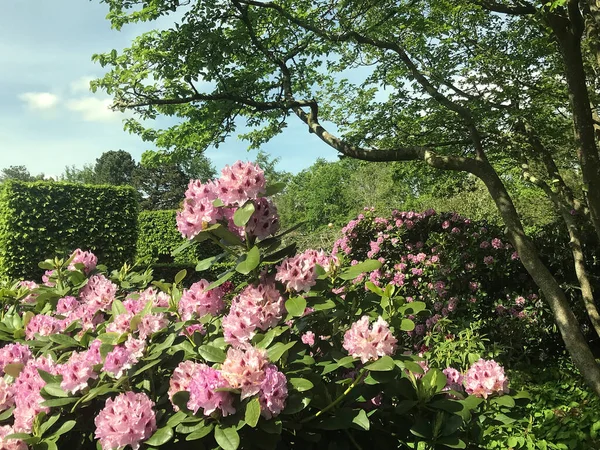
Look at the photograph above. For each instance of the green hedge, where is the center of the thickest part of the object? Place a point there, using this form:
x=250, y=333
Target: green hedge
x=158, y=237
x=41, y=219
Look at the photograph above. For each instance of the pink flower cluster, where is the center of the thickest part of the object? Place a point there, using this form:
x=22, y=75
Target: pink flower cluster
x=30, y=297
x=454, y=379
x=216, y=201
x=43, y=325
x=88, y=259
x=10, y=444
x=202, y=389
x=27, y=395
x=197, y=301
x=369, y=343
x=485, y=378
x=255, y=307
x=14, y=353
x=99, y=293
x=128, y=419
x=298, y=273
x=80, y=369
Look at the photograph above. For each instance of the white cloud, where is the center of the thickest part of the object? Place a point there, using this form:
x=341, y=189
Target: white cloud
x=39, y=100
x=93, y=109
x=81, y=85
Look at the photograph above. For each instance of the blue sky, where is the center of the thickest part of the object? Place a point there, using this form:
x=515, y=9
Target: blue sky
x=48, y=117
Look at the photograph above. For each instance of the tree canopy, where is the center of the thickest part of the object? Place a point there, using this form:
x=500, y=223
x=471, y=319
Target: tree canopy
x=493, y=88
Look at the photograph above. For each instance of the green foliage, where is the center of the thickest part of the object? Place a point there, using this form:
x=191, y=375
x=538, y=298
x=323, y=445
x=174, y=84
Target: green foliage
x=158, y=238
x=114, y=167
x=42, y=219
x=19, y=173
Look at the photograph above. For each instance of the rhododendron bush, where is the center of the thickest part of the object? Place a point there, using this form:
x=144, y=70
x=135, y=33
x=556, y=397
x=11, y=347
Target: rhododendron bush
x=465, y=272
x=291, y=358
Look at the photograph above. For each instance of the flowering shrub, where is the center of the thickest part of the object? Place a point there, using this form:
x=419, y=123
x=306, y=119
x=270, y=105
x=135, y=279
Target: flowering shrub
x=461, y=270
x=292, y=358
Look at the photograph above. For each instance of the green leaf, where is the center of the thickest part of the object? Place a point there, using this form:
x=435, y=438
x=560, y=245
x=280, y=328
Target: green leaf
x=407, y=325
x=179, y=277
x=201, y=432
x=252, y=413
x=181, y=399
x=242, y=215
x=205, y=263
x=352, y=272
x=227, y=438
x=504, y=400
x=160, y=437
x=276, y=351
x=65, y=428
x=63, y=339
x=48, y=377
x=6, y=414
x=220, y=281
x=301, y=384
x=109, y=338
x=362, y=420
x=211, y=354
x=55, y=390
x=183, y=247
x=274, y=188
x=56, y=402
x=118, y=307
x=383, y=364
x=251, y=261
x=434, y=379
x=295, y=306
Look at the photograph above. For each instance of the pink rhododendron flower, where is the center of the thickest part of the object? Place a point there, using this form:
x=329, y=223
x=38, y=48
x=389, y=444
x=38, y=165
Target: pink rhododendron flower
x=298, y=272
x=488, y=260
x=46, y=278
x=255, y=307
x=264, y=220
x=31, y=285
x=520, y=301
x=485, y=378
x=27, y=396
x=88, y=259
x=182, y=376
x=454, y=379
x=198, y=209
x=67, y=305
x=128, y=419
x=245, y=369
x=195, y=328
x=197, y=301
x=118, y=361
x=241, y=182
x=273, y=392
x=369, y=343
x=202, y=392
x=6, y=395
x=308, y=338
x=87, y=315
x=13, y=353
x=77, y=371
x=99, y=292
x=151, y=323
x=44, y=326
x=497, y=243
x=136, y=347
x=10, y=444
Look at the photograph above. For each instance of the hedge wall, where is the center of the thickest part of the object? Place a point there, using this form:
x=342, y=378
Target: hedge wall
x=41, y=219
x=158, y=237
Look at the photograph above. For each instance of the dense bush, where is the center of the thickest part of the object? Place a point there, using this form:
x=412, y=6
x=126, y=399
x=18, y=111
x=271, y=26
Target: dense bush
x=280, y=361
x=158, y=237
x=465, y=273
x=41, y=219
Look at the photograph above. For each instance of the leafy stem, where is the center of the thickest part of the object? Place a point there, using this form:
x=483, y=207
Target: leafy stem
x=344, y=394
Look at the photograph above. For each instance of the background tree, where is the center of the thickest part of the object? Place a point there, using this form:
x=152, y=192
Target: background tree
x=20, y=173
x=478, y=86
x=85, y=175
x=114, y=167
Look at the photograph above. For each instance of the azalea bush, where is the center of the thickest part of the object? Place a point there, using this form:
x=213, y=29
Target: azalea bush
x=465, y=272
x=293, y=356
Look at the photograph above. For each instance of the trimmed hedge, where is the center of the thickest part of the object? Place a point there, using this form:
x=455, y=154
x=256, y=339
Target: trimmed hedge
x=41, y=219
x=158, y=237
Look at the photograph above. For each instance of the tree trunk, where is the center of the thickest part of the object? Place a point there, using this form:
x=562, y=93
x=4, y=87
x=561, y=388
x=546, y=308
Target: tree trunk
x=566, y=321
x=568, y=34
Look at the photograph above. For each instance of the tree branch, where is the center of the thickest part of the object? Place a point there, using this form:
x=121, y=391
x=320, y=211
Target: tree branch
x=514, y=10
